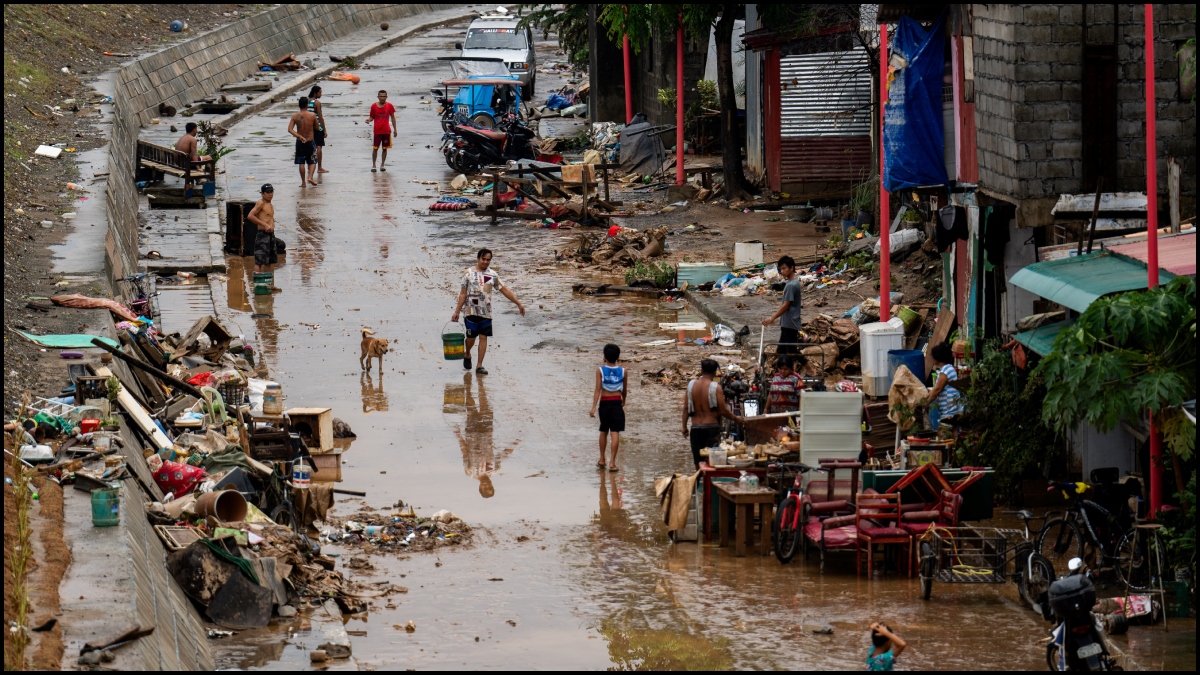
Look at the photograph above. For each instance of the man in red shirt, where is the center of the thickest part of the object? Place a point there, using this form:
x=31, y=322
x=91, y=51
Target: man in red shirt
x=384, y=116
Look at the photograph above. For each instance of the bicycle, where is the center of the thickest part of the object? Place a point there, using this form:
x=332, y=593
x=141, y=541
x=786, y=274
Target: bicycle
x=142, y=303
x=1109, y=544
x=789, y=519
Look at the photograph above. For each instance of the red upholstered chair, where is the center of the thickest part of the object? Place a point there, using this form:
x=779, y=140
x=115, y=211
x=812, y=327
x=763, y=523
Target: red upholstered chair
x=945, y=515
x=877, y=521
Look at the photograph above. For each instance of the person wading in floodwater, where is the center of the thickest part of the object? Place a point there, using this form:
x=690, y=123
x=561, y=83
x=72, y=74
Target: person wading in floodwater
x=321, y=131
x=476, y=293
x=303, y=125
x=263, y=217
x=704, y=403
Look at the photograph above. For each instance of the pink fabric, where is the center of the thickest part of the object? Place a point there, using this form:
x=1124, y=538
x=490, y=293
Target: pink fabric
x=84, y=302
x=916, y=529
x=837, y=537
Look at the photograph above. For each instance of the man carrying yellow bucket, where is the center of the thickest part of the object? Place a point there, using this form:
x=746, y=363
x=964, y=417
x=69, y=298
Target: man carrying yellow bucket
x=476, y=293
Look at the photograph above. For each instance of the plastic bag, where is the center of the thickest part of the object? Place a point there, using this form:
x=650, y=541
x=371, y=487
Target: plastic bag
x=724, y=335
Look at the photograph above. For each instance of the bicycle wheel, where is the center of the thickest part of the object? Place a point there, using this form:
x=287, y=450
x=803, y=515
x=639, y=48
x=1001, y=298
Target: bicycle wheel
x=927, y=569
x=787, y=535
x=1133, y=562
x=1035, y=580
x=1059, y=542
x=284, y=515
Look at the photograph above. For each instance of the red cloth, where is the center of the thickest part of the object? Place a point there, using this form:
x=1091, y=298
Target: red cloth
x=84, y=302
x=558, y=211
x=383, y=117
x=203, y=380
x=179, y=478
x=834, y=537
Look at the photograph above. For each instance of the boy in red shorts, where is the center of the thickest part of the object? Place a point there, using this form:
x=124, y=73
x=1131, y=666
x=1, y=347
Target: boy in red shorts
x=383, y=114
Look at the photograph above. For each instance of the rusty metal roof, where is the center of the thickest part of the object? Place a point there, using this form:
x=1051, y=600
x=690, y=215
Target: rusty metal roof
x=1176, y=253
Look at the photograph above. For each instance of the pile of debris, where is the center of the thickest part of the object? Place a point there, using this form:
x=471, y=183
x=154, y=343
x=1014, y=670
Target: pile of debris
x=398, y=531
x=286, y=62
x=619, y=246
x=836, y=348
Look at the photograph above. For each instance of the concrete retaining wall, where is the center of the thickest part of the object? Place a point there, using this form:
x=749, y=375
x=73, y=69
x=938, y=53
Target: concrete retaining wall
x=193, y=69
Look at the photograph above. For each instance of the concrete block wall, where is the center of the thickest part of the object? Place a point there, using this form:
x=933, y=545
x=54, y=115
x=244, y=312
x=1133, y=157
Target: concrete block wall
x=1028, y=70
x=196, y=68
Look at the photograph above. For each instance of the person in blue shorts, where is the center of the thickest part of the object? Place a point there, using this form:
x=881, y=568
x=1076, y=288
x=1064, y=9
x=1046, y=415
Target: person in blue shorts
x=475, y=294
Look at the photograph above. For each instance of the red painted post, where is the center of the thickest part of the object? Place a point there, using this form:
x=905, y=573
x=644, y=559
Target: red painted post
x=885, y=207
x=679, y=176
x=1156, y=454
x=628, y=82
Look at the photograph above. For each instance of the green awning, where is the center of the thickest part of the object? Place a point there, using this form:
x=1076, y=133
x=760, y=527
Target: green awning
x=1041, y=339
x=1078, y=281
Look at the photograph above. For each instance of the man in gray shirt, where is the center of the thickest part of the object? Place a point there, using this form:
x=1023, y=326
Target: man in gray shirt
x=789, y=310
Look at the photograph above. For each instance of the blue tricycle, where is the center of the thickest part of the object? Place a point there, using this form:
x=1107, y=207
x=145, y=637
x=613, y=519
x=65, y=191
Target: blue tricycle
x=487, y=91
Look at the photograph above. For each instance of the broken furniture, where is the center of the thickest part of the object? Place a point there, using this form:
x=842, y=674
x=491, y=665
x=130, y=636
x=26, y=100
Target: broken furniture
x=162, y=160
x=218, y=341
x=315, y=426
x=737, y=516
x=924, y=485
x=877, y=524
x=710, y=509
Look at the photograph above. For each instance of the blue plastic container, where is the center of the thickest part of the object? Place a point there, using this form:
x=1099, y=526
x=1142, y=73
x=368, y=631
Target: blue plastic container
x=913, y=358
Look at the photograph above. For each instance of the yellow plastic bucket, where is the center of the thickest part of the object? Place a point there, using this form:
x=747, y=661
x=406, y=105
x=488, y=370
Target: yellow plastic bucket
x=454, y=345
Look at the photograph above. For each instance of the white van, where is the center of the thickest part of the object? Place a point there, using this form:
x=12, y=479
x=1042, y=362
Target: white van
x=497, y=35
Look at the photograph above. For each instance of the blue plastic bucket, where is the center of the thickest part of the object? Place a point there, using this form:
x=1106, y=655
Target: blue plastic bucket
x=913, y=358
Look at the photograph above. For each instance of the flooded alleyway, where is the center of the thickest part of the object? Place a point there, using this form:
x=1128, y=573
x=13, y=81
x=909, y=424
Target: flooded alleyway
x=571, y=567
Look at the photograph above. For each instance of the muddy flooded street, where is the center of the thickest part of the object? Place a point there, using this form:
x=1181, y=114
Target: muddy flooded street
x=570, y=566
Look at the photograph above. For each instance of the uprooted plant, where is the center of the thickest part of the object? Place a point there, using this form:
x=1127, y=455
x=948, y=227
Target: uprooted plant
x=662, y=274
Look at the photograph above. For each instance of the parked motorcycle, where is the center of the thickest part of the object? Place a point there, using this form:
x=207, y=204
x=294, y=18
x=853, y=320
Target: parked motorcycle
x=1077, y=640
x=468, y=148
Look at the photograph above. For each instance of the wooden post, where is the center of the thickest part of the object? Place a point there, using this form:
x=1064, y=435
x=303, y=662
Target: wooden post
x=495, y=196
x=584, y=182
x=679, y=177
x=1173, y=176
x=604, y=170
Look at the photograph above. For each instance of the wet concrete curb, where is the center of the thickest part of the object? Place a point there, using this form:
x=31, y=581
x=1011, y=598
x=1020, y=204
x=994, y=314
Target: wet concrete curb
x=274, y=96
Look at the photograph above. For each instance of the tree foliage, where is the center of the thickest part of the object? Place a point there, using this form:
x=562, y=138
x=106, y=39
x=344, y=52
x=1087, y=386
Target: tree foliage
x=1014, y=439
x=1125, y=355
x=569, y=22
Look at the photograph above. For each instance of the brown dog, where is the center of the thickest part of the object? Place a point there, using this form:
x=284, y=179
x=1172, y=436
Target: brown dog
x=372, y=348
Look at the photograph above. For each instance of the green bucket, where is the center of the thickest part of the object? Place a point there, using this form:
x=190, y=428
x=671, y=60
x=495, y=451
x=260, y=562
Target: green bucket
x=909, y=317
x=454, y=345
x=106, y=507
x=262, y=289
x=263, y=277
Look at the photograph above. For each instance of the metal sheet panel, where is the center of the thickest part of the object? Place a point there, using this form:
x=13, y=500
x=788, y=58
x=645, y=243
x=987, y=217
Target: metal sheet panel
x=1176, y=254
x=825, y=94
x=1041, y=339
x=828, y=158
x=1079, y=281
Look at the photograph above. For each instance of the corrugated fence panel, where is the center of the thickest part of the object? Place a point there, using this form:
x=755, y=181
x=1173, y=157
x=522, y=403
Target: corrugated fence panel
x=825, y=94
x=826, y=158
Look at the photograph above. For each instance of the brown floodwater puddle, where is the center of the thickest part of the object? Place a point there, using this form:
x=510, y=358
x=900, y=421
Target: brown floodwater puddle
x=571, y=568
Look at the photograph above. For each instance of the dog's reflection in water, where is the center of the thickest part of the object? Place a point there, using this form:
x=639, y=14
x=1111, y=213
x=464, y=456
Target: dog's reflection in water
x=373, y=398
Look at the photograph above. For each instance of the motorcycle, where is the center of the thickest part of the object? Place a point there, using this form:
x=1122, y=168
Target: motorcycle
x=1077, y=641
x=469, y=148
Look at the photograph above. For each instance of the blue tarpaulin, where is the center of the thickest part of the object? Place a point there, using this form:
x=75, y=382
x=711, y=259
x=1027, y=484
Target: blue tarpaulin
x=912, y=118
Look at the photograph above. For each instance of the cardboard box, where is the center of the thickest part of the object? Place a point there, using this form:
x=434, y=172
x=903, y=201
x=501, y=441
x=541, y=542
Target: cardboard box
x=327, y=467
x=575, y=173
x=315, y=426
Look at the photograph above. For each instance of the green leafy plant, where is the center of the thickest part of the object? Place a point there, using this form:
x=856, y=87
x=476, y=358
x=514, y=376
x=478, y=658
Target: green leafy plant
x=708, y=94
x=210, y=140
x=1179, y=531
x=1007, y=411
x=666, y=98
x=569, y=22
x=863, y=198
x=661, y=273
x=113, y=388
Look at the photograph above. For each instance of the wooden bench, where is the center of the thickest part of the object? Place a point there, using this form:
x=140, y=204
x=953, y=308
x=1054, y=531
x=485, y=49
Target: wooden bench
x=170, y=161
x=705, y=171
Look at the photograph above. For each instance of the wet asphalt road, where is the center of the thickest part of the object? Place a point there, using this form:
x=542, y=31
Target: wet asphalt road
x=596, y=584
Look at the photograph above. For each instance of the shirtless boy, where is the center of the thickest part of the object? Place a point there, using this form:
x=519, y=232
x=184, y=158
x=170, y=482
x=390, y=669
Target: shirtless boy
x=263, y=217
x=704, y=404
x=302, y=125
x=188, y=143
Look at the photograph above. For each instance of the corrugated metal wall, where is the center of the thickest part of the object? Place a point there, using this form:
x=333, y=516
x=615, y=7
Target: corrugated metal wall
x=826, y=117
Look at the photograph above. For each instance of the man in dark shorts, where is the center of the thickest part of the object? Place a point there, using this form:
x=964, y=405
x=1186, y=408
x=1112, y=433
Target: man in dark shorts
x=303, y=126
x=476, y=293
x=263, y=217
x=704, y=404
x=320, y=132
x=789, y=310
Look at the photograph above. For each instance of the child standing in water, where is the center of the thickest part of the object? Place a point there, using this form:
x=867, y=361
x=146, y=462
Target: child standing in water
x=612, y=390
x=885, y=647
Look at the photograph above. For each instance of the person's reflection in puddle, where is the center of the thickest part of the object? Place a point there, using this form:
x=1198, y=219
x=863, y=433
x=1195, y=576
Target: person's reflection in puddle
x=373, y=398
x=268, y=331
x=475, y=439
x=613, y=517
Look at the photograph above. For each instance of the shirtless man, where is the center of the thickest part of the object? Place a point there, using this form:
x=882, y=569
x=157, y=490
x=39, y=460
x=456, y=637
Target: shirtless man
x=302, y=125
x=188, y=143
x=263, y=217
x=704, y=403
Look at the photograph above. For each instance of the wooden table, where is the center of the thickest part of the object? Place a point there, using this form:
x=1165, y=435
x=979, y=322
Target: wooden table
x=707, y=474
x=737, y=505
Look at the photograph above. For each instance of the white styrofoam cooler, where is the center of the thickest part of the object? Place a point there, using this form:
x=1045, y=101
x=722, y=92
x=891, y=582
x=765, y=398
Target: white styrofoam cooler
x=830, y=425
x=875, y=339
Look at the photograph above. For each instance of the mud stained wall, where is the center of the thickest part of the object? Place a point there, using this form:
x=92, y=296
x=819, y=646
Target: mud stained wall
x=190, y=70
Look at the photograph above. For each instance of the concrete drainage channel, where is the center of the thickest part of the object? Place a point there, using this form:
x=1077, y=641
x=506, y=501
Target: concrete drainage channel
x=118, y=576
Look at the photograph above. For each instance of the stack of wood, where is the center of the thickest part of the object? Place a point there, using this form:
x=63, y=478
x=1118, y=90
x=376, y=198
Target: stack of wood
x=287, y=62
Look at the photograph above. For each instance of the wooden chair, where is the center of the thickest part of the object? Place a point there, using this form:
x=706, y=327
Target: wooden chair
x=877, y=522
